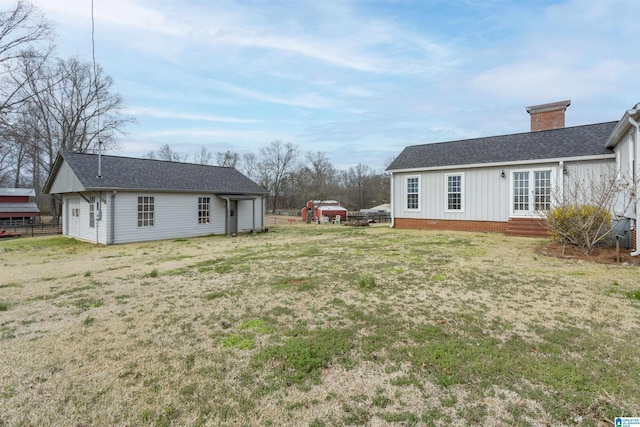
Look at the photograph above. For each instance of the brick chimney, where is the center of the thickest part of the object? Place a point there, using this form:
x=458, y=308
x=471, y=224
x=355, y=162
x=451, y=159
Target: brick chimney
x=548, y=116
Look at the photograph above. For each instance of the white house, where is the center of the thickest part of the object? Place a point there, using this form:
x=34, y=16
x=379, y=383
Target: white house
x=110, y=199
x=502, y=183
x=625, y=141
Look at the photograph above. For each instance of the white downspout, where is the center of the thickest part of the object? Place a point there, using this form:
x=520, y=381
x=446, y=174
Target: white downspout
x=391, y=204
x=636, y=150
x=560, y=179
x=112, y=220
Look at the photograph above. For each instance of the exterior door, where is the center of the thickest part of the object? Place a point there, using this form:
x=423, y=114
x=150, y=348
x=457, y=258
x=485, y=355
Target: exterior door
x=531, y=193
x=73, y=217
x=233, y=216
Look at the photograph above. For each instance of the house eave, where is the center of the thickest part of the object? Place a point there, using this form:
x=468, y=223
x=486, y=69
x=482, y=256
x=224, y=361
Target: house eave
x=623, y=125
x=507, y=164
x=162, y=190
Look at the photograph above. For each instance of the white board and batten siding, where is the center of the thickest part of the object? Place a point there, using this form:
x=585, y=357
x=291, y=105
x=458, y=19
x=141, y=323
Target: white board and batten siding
x=485, y=195
x=175, y=215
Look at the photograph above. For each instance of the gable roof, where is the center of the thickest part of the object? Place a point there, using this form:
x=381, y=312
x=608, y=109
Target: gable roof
x=571, y=142
x=127, y=173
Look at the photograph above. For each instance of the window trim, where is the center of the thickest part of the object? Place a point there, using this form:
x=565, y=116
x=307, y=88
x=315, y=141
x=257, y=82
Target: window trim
x=204, y=210
x=447, y=193
x=406, y=193
x=92, y=211
x=150, y=204
x=531, y=212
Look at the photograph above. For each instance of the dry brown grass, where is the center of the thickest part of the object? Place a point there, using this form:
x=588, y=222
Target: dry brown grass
x=418, y=327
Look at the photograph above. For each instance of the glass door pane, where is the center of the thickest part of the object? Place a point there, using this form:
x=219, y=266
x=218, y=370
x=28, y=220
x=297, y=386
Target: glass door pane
x=521, y=192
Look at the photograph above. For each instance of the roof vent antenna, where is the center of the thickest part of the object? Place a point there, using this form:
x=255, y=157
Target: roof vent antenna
x=99, y=159
x=95, y=75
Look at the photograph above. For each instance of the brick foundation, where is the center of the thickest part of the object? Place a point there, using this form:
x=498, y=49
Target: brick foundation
x=443, y=224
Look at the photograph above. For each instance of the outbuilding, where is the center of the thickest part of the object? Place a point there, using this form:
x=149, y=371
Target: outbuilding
x=318, y=210
x=111, y=199
x=17, y=206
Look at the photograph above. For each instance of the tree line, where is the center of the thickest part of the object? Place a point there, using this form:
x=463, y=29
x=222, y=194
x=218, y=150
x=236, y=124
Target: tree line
x=50, y=104
x=292, y=177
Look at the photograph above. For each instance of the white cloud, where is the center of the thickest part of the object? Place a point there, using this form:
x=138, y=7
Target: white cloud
x=153, y=112
x=387, y=73
x=578, y=50
x=304, y=100
x=214, y=135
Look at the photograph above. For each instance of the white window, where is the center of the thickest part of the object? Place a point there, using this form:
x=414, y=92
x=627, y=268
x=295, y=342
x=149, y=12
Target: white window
x=92, y=212
x=531, y=191
x=542, y=190
x=413, y=192
x=146, y=211
x=204, y=210
x=454, y=190
x=521, y=191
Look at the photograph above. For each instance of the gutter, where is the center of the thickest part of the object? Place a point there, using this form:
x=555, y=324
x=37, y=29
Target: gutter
x=391, y=201
x=112, y=222
x=636, y=150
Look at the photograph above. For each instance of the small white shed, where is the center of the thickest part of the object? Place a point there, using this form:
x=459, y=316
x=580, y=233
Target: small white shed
x=111, y=199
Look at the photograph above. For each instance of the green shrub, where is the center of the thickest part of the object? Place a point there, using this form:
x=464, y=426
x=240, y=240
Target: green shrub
x=582, y=225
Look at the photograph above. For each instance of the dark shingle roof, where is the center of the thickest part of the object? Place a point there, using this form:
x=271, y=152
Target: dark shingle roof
x=126, y=173
x=578, y=141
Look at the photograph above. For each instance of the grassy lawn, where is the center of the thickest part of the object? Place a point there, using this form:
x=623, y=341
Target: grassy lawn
x=315, y=325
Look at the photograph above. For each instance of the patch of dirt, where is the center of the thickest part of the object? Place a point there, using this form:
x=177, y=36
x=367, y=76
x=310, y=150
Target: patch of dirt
x=604, y=255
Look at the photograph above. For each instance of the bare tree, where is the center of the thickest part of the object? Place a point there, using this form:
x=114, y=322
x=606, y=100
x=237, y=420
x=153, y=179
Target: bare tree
x=250, y=165
x=204, y=157
x=17, y=149
x=5, y=168
x=315, y=179
x=227, y=159
x=356, y=179
x=23, y=31
x=277, y=160
x=165, y=152
x=67, y=107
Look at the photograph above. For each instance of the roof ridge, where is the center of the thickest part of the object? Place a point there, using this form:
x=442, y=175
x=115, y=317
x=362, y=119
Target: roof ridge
x=514, y=134
x=146, y=159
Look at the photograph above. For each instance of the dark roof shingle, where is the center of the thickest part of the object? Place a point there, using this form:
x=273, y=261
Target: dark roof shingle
x=127, y=173
x=578, y=141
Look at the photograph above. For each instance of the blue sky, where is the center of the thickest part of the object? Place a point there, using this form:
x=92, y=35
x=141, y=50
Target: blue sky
x=358, y=80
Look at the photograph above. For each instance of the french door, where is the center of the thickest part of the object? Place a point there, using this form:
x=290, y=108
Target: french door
x=531, y=194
